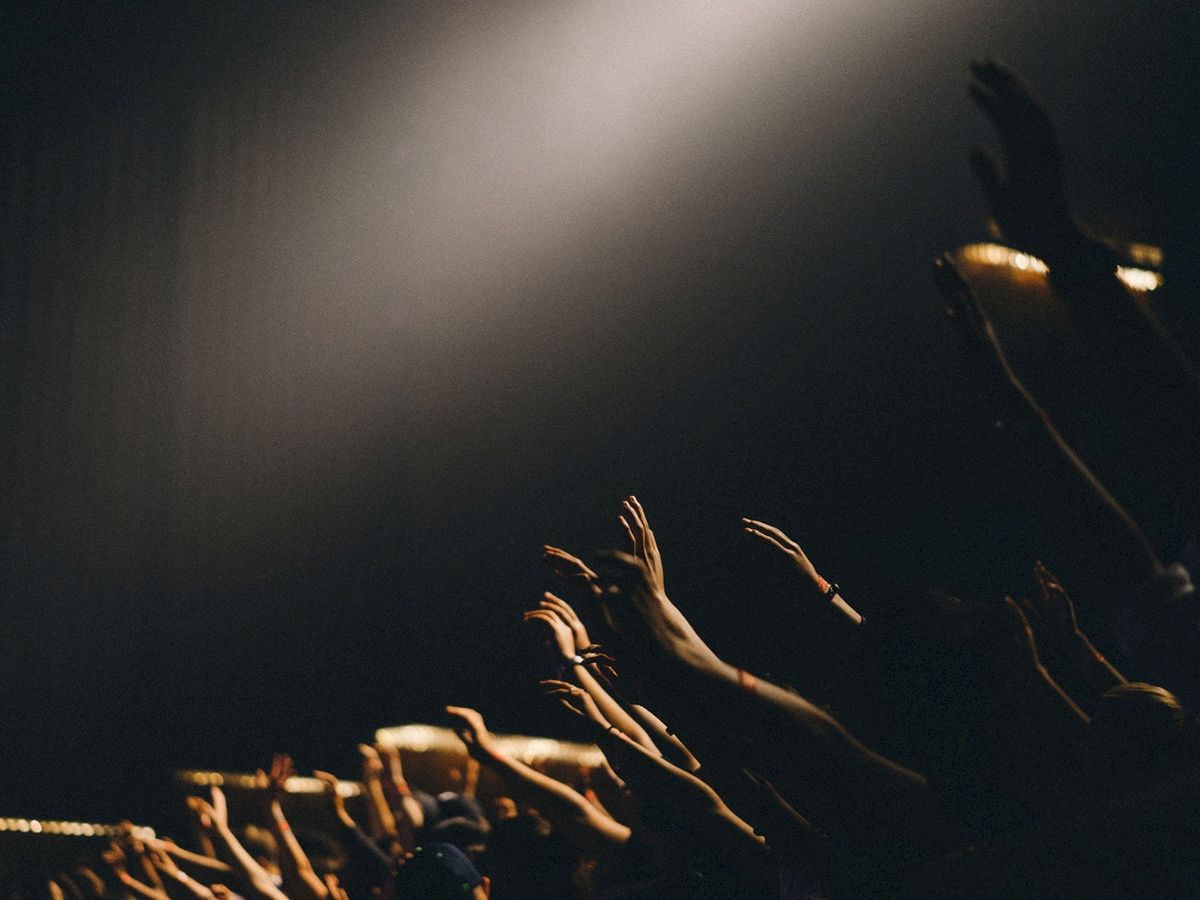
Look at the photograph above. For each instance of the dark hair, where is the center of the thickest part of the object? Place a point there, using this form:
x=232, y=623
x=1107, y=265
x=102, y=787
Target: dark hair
x=435, y=871
x=1139, y=732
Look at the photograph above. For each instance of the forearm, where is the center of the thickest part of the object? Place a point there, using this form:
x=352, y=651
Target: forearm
x=671, y=746
x=181, y=886
x=565, y=808
x=612, y=710
x=407, y=815
x=204, y=869
x=1100, y=674
x=253, y=875
x=1105, y=545
x=137, y=888
x=294, y=866
x=400, y=798
x=795, y=744
x=379, y=815
x=688, y=801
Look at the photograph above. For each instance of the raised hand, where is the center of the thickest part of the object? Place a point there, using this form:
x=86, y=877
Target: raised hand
x=1053, y=606
x=371, y=763
x=776, y=538
x=390, y=756
x=641, y=539
x=641, y=613
x=575, y=699
x=560, y=631
x=219, y=811
x=1052, y=616
x=335, y=798
x=570, y=568
x=472, y=731
x=568, y=615
x=1025, y=191
x=282, y=768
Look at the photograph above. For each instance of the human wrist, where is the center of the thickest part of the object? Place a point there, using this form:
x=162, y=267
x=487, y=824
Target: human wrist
x=567, y=663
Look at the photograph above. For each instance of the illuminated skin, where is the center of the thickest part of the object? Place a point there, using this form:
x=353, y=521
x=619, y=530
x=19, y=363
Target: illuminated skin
x=776, y=538
x=300, y=880
x=401, y=799
x=556, y=613
x=567, y=809
x=214, y=819
x=848, y=782
x=503, y=809
x=381, y=821
x=697, y=806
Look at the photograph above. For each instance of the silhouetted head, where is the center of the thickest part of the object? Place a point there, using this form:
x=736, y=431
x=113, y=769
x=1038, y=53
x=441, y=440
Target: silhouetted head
x=436, y=871
x=1141, y=732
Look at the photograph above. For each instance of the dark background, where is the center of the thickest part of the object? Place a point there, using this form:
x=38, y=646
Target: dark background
x=319, y=319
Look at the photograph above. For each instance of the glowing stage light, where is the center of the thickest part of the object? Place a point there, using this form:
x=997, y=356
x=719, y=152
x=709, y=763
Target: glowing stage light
x=1137, y=279
x=297, y=784
x=530, y=750
x=55, y=827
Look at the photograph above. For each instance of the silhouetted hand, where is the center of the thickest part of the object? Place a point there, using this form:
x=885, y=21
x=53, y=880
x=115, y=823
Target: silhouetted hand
x=1053, y=607
x=1025, y=191
x=574, y=699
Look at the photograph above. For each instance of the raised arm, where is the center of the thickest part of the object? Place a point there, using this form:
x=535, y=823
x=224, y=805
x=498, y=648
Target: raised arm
x=1101, y=543
x=177, y=883
x=565, y=808
x=816, y=586
x=203, y=868
x=117, y=862
x=215, y=818
x=300, y=880
x=798, y=746
x=1051, y=614
x=366, y=863
x=1142, y=372
x=684, y=799
x=566, y=631
x=407, y=813
x=381, y=822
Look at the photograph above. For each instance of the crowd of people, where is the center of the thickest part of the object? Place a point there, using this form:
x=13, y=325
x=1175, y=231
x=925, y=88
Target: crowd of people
x=963, y=747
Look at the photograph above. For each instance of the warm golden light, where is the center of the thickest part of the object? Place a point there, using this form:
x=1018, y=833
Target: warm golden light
x=297, y=784
x=1134, y=278
x=422, y=738
x=69, y=829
